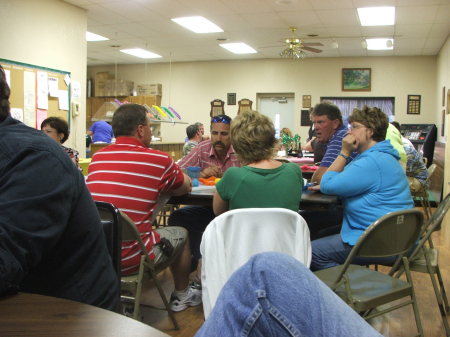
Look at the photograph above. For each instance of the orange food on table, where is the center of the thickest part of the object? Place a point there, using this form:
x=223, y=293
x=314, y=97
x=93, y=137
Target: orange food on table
x=211, y=181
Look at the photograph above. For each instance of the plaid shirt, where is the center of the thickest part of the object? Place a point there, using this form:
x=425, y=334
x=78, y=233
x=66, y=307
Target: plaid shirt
x=203, y=155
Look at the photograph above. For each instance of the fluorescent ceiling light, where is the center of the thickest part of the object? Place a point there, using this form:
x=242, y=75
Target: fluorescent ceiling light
x=138, y=52
x=198, y=24
x=238, y=48
x=377, y=16
x=380, y=44
x=90, y=37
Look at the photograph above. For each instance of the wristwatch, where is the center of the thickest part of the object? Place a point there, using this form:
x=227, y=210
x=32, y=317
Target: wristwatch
x=347, y=158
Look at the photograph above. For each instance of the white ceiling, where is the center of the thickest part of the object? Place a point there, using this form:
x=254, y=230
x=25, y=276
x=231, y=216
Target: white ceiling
x=422, y=27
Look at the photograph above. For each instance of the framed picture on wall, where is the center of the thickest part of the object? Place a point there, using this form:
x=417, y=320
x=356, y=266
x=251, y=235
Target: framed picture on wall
x=413, y=105
x=356, y=79
x=306, y=101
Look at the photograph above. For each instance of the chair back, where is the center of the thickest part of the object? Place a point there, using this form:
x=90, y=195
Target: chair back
x=392, y=234
x=233, y=237
x=110, y=219
x=432, y=225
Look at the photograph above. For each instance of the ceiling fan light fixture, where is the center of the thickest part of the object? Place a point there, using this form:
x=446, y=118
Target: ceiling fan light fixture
x=293, y=53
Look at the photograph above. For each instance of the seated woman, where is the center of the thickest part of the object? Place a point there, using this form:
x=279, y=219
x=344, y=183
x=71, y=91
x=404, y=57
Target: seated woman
x=263, y=181
x=58, y=129
x=371, y=185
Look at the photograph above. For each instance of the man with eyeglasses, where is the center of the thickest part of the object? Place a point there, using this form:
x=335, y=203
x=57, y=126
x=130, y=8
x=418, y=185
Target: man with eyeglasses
x=131, y=176
x=214, y=156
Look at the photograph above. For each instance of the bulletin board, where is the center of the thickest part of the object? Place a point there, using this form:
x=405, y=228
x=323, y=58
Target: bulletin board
x=37, y=92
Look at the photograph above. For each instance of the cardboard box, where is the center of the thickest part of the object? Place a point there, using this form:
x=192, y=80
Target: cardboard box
x=103, y=75
x=149, y=89
x=113, y=88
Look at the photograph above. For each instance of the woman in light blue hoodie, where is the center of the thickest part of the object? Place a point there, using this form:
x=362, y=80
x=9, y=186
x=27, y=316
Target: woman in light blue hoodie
x=371, y=185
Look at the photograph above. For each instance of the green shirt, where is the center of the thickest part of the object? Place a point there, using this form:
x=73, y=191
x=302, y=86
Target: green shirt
x=249, y=187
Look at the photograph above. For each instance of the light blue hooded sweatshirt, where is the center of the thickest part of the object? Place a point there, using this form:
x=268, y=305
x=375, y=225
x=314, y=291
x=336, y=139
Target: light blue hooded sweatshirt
x=371, y=185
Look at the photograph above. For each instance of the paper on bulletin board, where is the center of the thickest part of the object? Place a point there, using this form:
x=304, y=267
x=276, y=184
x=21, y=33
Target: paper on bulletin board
x=42, y=90
x=76, y=89
x=40, y=116
x=29, y=101
x=53, y=89
x=63, y=100
x=17, y=113
x=8, y=76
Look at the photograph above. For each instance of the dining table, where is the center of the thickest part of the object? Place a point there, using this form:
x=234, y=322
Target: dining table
x=202, y=196
x=30, y=315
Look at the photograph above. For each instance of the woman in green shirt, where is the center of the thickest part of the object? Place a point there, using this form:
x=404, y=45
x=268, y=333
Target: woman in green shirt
x=263, y=182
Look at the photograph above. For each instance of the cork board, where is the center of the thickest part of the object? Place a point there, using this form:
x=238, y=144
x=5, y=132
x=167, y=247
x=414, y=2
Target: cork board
x=26, y=82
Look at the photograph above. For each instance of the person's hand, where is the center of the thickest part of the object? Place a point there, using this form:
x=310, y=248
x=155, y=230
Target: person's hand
x=349, y=144
x=210, y=171
x=314, y=188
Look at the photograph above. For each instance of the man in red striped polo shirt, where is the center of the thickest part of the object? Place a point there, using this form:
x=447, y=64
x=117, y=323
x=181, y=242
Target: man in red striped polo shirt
x=131, y=176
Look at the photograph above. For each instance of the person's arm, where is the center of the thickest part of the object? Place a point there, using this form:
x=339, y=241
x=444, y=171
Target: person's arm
x=348, y=146
x=211, y=171
x=185, y=188
x=317, y=175
x=219, y=205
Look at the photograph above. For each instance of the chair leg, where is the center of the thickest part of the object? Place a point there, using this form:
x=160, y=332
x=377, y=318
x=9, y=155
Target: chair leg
x=166, y=303
x=413, y=298
x=137, y=298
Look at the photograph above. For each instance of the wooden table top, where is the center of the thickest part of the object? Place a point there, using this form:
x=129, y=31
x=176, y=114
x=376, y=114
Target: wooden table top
x=29, y=315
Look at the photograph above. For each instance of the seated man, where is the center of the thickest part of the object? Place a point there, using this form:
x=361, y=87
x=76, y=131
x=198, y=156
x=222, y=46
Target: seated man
x=416, y=170
x=194, y=137
x=214, y=157
x=330, y=131
x=51, y=238
x=274, y=295
x=131, y=176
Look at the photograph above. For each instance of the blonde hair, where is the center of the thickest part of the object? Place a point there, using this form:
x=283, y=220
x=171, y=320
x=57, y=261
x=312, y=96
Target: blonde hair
x=252, y=137
x=286, y=131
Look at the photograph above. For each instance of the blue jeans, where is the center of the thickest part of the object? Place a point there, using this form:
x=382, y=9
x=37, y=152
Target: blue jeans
x=275, y=295
x=328, y=252
x=331, y=251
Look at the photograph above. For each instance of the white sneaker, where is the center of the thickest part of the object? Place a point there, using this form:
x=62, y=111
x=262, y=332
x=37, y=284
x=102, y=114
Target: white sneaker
x=192, y=298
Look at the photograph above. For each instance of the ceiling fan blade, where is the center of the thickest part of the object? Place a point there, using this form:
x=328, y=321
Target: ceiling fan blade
x=307, y=44
x=314, y=50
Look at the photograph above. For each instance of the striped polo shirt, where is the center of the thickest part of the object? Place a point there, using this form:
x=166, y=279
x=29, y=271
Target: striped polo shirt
x=130, y=176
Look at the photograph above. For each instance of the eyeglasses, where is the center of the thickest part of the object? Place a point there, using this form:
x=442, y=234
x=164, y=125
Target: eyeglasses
x=354, y=127
x=221, y=119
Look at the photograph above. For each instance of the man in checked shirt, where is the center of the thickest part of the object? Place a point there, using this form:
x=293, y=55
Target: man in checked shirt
x=214, y=156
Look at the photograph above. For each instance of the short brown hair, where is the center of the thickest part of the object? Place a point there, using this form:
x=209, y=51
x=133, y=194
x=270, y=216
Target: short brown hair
x=328, y=109
x=252, y=137
x=127, y=118
x=371, y=118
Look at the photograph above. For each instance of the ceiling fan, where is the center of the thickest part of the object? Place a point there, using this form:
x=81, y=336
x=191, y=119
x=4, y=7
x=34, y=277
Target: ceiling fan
x=295, y=47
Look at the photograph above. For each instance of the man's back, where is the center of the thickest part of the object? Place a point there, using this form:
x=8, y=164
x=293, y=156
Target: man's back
x=52, y=241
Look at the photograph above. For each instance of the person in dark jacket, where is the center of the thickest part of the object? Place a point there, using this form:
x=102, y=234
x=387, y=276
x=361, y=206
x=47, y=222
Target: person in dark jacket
x=51, y=239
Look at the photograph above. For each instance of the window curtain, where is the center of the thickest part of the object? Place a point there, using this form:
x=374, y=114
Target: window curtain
x=346, y=105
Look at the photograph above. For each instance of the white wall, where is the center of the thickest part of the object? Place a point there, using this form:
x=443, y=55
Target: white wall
x=48, y=33
x=193, y=85
x=443, y=80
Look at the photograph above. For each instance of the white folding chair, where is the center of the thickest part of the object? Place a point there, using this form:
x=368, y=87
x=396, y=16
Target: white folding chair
x=233, y=237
